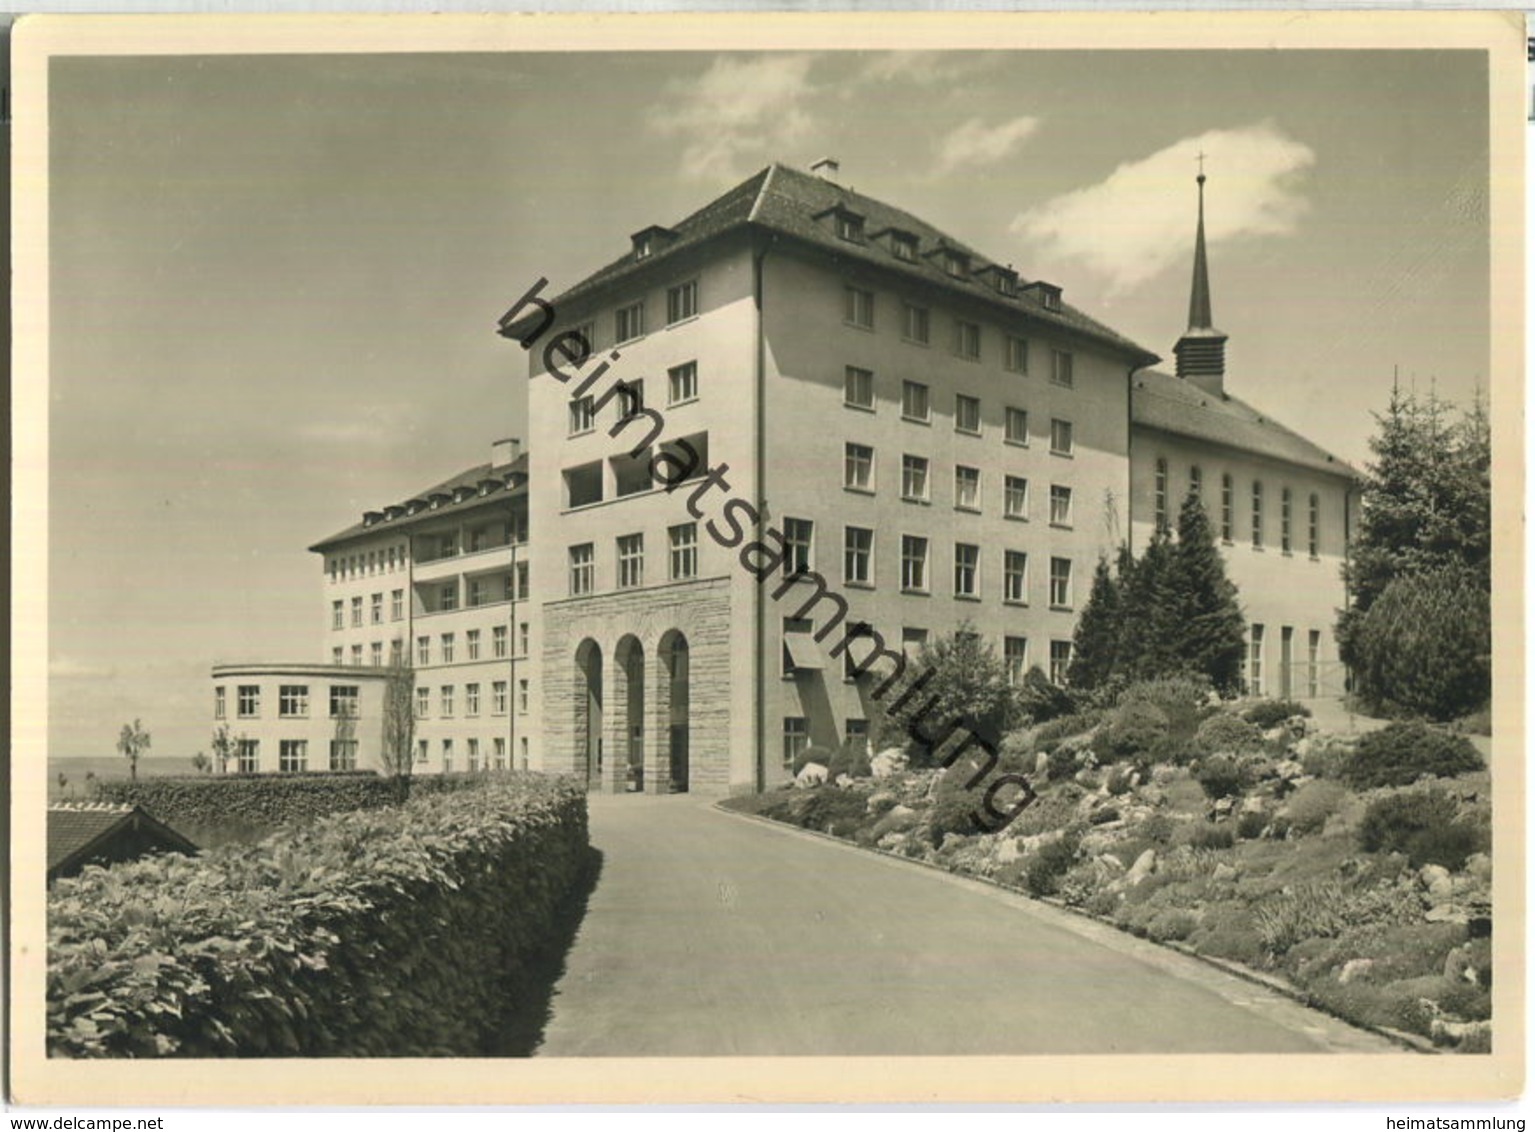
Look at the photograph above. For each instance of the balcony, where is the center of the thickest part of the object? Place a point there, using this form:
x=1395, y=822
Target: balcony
x=468, y=561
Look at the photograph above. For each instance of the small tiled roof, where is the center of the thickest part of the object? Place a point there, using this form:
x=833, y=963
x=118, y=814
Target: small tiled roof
x=76, y=829
x=470, y=477
x=1169, y=403
x=786, y=202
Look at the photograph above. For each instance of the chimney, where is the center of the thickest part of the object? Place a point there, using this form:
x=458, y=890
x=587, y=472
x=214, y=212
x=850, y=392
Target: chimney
x=826, y=168
x=505, y=451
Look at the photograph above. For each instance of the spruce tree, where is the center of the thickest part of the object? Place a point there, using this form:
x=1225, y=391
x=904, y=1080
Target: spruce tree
x=1145, y=618
x=1204, y=624
x=1095, y=647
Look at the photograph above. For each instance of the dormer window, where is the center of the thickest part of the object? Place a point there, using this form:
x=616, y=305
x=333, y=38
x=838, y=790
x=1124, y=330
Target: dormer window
x=904, y=247
x=1048, y=294
x=955, y=264
x=850, y=227
x=648, y=241
x=644, y=246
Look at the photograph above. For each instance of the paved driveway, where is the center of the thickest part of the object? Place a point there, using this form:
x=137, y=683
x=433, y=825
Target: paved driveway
x=713, y=934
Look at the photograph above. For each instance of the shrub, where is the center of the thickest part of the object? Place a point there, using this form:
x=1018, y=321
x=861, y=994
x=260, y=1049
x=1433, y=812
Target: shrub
x=1309, y=807
x=1063, y=727
x=1222, y=777
x=821, y=755
x=1133, y=729
x=1118, y=781
x=1271, y=713
x=375, y=933
x=1182, y=699
x=1226, y=733
x=1063, y=764
x=1040, y=700
x=1171, y=924
x=1326, y=759
x=1400, y=753
x=1250, y=825
x=1422, y=824
x=826, y=810
x=852, y=759
x=1049, y=863
x=1213, y=837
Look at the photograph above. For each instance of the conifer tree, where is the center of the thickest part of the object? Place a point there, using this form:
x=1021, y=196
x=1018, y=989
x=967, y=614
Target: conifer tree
x=1145, y=617
x=1095, y=647
x=1204, y=626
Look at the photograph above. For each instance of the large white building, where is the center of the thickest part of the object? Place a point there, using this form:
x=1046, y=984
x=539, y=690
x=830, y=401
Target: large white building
x=782, y=442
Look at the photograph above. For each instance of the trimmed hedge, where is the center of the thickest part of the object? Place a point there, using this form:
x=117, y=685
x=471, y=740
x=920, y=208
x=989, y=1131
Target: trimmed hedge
x=205, y=802
x=394, y=932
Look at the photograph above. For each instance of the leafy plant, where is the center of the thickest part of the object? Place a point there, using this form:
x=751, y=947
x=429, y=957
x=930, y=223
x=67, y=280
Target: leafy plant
x=1227, y=733
x=1424, y=825
x=1400, y=753
x=1271, y=713
x=1222, y=777
x=1049, y=864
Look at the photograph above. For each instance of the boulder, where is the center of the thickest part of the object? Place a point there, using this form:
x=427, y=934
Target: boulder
x=1252, y=805
x=1277, y=734
x=1224, y=871
x=1436, y=880
x=1304, y=748
x=1144, y=866
x=891, y=842
x=897, y=819
x=1354, y=968
x=1163, y=773
x=1288, y=769
x=952, y=841
x=892, y=760
x=1007, y=851
x=1447, y=914
x=846, y=781
x=812, y=774
x=1458, y=965
x=881, y=800
x=1479, y=866
x=1446, y=1032
x=1042, y=766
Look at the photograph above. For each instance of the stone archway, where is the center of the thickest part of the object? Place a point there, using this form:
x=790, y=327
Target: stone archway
x=673, y=711
x=588, y=712
x=627, y=737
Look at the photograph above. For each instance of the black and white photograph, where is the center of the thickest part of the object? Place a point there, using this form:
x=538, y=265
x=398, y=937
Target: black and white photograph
x=711, y=558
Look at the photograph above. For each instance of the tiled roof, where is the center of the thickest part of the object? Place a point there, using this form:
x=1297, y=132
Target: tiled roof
x=1169, y=403
x=74, y=830
x=470, y=477
x=786, y=202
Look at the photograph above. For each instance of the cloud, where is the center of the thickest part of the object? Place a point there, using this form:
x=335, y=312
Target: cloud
x=1138, y=222
x=65, y=668
x=737, y=110
x=974, y=143
x=923, y=68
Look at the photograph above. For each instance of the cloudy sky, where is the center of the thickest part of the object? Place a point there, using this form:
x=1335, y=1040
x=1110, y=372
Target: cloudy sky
x=275, y=280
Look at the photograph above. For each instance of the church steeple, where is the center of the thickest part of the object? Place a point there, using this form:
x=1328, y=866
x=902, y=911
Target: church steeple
x=1201, y=352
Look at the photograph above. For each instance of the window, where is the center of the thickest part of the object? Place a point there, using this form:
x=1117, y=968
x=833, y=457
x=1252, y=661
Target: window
x=852, y=667
x=581, y=569
x=1060, y=505
x=1258, y=514
x=396, y=651
x=858, y=308
x=796, y=631
x=376, y=654
x=583, y=415
x=249, y=701
x=914, y=563
x=474, y=755
x=499, y=743
x=336, y=655
x=631, y=561
x=1284, y=520
x=447, y=756
x=954, y=264
x=1060, y=583
x=858, y=387
x=796, y=737
x=855, y=730
x=471, y=699
x=1060, y=367
x=914, y=477
x=1060, y=437
x=522, y=695
x=631, y=397
x=913, y=640
x=1060, y=661
x=967, y=568
x=1226, y=507
x=914, y=324
x=218, y=703
x=904, y=247
x=849, y=227
x=423, y=702
x=397, y=605
x=1015, y=497
x=682, y=383
x=967, y=488
x=477, y=594
x=522, y=583
x=447, y=648
x=445, y=701
x=377, y=609
x=1255, y=662
x=337, y=614
x=248, y=755
x=343, y=754
x=1017, y=358
x=1313, y=662
x=356, y=654
x=498, y=697
x=1313, y=525
x=798, y=534
x=681, y=302
x=423, y=650
x=292, y=755
x=684, y=551
x=914, y=406
x=1015, y=655
x=1159, y=495
x=967, y=414
x=1017, y=425
x=472, y=644
x=357, y=612
x=858, y=467
x=522, y=638
x=858, y=554
x=629, y=322
x=1015, y=577
x=967, y=339
x=1196, y=483
x=522, y=746
x=448, y=597
x=343, y=701
x=498, y=639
